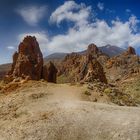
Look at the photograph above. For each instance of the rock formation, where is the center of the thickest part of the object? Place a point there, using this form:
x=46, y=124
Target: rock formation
x=130, y=51
x=50, y=72
x=95, y=52
x=28, y=62
x=77, y=67
x=91, y=69
x=123, y=65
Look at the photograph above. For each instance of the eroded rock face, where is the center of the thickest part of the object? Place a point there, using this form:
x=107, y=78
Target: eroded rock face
x=130, y=51
x=83, y=68
x=50, y=72
x=123, y=65
x=28, y=61
x=93, y=50
x=91, y=70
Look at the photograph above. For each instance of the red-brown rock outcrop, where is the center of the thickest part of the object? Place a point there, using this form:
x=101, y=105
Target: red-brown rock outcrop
x=130, y=51
x=91, y=69
x=95, y=52
x=28, y=63
x=123, y=65
x=77, y=67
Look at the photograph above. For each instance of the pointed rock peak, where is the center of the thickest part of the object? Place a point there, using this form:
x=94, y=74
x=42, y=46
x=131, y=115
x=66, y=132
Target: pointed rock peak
x=29, y=45
x=28, y=61
x=130, y=51
x=29, y=38
x=92, y=49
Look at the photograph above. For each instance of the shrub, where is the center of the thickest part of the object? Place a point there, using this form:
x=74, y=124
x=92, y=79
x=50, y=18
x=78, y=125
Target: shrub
x=87, y=93
x=107, y=91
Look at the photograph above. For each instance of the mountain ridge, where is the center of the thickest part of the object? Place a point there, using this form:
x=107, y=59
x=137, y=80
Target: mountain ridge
x=110, y=50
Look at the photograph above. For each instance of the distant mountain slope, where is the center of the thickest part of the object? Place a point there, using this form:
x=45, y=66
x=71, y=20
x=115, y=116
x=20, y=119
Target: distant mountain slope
x=108, y=49
x=4, y=68
x=111, y=50
x=55, y=56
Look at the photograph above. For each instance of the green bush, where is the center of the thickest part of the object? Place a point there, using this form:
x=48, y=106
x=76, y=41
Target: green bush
x=107, y=91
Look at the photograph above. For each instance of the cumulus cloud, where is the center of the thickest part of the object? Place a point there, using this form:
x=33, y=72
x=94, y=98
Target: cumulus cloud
x=71, y=11
x=100, y=6
x=32, y=14
x=84, y=31
x=99, y=32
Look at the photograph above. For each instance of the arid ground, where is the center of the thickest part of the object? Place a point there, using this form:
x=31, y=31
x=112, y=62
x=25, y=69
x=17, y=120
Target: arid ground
x=45, y=111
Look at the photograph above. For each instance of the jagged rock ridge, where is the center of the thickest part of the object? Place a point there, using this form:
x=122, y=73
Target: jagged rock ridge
x=84, y=68
x=123, y=65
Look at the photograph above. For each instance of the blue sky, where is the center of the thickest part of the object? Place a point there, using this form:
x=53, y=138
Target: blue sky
x=66, y=26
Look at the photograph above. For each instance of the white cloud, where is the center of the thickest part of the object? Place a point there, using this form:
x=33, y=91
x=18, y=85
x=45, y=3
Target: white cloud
x=32, y=14
x=133, y=22
x=10, y=47
x=85, y=32
x=71, y=11
x=100, y=6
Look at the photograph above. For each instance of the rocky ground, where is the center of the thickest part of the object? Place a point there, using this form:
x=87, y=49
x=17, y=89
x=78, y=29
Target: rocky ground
x=40, y=110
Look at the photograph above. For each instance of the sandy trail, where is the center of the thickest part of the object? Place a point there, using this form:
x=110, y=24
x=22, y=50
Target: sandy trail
x=60, y=112
x=66, y=92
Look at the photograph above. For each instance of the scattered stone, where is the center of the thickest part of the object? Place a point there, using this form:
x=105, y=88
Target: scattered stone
x=90, y=87
x=95, y=100
x=87, y=93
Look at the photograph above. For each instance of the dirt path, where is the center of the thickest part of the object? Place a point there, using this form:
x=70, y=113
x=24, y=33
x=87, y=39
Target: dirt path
x=59, y=112
x=66, y=92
